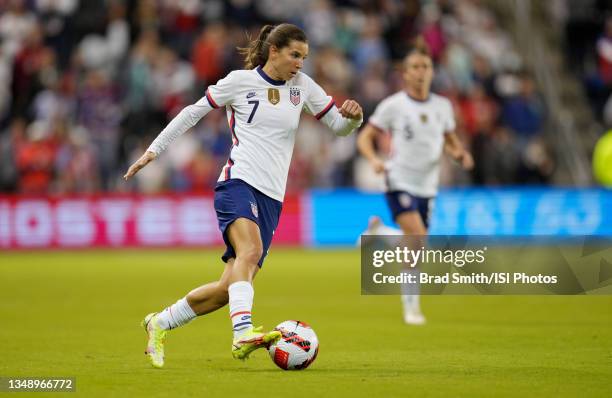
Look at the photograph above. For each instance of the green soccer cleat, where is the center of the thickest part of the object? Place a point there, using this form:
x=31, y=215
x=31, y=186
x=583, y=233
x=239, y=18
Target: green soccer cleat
x=252, y=340
x=155, y=344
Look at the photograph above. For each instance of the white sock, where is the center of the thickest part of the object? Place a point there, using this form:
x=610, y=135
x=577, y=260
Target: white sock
x=175, y=315
x=240, y=305
x=411, y=302
x=410, y=292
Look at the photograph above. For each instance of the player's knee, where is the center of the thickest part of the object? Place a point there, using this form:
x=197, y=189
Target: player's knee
x=250, y=253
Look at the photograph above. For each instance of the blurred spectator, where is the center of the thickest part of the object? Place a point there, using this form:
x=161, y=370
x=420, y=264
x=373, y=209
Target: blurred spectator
x=604, y=53
x=76, y=162
x=607, y=112
x=35, y=158
x=10, y=142
x=242, y=12
x=524, y=112
x=53, y=102
x=92, y=83
x=432, y=31
x=347, y=26
x=600, y=87
x=320, y=23
x=180, y=24
x=139, y=103
x=588, y=42
x=370, y=47
x=300, y=174
x=489, y=41
x=213, y=133
x=478, y=111
x=581, y=31
x=403, y=24
x=500, y=158
x=483, y=74
x=146, y=16
x=479, y=117
x=89, y=18
x=537, y=164
x=333, y=71
x=105, y=52
x=99, y=113
x=273, y=11
x=16, y=24
x=6, y=77
x=207, y=55
x=29, y=66
x=373, y=88
x=200, y=173
x=56, y=18
x=457, y=60
x=173, y=79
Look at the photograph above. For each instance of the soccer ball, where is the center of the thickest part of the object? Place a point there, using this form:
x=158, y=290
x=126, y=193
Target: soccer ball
x=297, y=348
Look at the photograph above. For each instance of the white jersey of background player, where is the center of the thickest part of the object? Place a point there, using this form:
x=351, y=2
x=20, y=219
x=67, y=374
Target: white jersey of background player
x=422, y=127
x=417, y=128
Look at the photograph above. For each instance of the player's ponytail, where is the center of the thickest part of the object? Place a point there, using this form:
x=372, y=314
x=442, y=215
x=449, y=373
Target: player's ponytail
x=254, y=54
x=279, y=36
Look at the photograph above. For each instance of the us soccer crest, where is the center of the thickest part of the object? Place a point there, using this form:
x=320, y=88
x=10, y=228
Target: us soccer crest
x=294, y=95
x=273, y=96
x=405, y=200
x=254, y=209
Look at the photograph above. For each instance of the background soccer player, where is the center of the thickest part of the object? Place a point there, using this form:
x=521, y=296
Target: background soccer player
x=263, y=105
x=422, y=125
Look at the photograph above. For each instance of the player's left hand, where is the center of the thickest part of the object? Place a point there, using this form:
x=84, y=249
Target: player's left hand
x=351, y=110
x=144, y=160
x=466, y=160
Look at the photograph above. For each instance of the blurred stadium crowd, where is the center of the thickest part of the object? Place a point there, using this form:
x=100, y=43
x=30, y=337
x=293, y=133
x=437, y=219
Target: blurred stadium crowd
x=588, y=39
x=86, y=85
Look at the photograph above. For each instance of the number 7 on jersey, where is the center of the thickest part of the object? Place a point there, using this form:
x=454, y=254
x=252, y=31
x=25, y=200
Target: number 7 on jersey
x=255, y=105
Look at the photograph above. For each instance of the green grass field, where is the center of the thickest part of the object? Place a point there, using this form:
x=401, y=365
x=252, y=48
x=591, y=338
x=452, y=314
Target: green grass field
x=78, y=313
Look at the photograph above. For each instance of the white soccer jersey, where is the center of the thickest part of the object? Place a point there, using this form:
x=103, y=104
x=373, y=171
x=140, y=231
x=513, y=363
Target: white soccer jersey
x=263, y=116
x=417, y=129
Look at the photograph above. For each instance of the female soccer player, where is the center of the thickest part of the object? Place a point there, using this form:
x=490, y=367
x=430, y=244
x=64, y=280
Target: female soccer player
x=422, y=126
x=263, y=103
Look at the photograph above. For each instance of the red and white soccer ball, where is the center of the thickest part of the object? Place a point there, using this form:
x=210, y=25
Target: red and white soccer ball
x=297, y=348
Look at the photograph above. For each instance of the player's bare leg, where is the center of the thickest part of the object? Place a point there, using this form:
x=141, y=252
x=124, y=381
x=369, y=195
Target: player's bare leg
x=412, y=225
x=202, y=300
x=245, y=238
x=211, y=296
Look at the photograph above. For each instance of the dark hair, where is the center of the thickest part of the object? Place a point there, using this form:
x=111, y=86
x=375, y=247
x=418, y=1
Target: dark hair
x=418, y=46
x=278, y=36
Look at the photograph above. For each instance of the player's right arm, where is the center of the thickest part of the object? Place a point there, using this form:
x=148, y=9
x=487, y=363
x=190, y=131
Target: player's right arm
x=341, y=121
x=365, y=144
x=456, y=150
x=216, y=96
